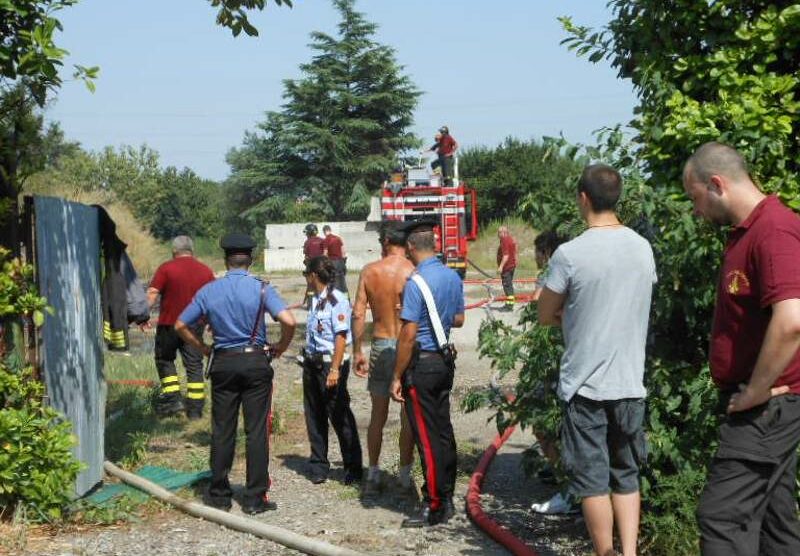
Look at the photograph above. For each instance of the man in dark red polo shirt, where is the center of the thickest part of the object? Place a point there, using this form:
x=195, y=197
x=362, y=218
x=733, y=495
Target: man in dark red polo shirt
x=177, y=281
x=506, y=264
x=749, y=504
x=333, y=248
x=446, y=147
x=314, y=246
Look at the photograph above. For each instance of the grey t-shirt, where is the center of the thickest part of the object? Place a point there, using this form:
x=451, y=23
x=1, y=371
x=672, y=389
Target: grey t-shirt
x=607, y=275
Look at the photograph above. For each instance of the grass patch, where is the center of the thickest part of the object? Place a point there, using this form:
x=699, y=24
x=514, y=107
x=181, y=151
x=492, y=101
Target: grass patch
x=483, y=251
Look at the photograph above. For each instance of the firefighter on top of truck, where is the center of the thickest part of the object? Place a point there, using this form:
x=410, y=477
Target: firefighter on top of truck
x=445, y=147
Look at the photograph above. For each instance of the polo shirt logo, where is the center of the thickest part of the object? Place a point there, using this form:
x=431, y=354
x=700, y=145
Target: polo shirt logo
x=736, y=281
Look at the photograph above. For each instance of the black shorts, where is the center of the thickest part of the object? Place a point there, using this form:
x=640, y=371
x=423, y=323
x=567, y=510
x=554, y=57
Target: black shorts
x=603, y=445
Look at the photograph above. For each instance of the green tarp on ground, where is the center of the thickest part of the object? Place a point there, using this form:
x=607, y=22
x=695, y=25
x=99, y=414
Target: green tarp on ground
x=162, y=476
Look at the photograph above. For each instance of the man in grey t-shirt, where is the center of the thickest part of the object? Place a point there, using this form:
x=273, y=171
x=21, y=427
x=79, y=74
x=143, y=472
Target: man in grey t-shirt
x=598, y=289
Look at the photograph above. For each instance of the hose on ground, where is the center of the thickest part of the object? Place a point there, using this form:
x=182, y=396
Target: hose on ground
x=246, y=525
x=474, y=509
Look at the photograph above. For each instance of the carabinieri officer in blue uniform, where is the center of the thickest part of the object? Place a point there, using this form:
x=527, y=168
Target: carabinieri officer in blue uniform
x=239, y=367
x=325, y=372
x=424, y=371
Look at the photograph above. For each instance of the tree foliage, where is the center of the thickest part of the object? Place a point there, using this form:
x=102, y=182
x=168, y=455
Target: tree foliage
x=339, y=132
x=37, y=467
x=28, y=52
x=504, y=174
x=724, y=71
x=233, y=14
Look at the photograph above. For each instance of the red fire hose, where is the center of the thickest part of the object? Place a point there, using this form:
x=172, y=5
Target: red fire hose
x=475, y=511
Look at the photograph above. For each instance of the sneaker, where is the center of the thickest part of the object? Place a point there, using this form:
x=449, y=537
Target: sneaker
x=262, y=505
x=372, y=487
x=558, y=504
x=318, y=479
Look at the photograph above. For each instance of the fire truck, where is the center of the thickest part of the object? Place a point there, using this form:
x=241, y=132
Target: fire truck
x=415, y=193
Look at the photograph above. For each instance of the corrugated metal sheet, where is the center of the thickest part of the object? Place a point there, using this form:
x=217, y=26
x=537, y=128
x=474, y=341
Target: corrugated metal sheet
x=68, y=265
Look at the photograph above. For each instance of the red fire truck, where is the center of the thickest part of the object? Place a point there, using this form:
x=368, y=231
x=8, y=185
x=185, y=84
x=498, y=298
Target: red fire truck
x=415, y=193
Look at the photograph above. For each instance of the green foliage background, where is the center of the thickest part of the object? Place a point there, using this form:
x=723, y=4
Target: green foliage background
x=723, y=71
x=37, y=468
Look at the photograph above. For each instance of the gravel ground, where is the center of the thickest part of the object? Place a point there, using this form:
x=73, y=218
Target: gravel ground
x=339, y=514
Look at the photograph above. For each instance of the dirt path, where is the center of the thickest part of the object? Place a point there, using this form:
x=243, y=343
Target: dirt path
x=339, y=514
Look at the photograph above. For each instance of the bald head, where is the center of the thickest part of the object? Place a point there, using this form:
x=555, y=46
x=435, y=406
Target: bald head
x=717, y=159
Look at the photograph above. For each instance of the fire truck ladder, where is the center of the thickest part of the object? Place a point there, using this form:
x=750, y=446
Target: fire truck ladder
x=450, y=224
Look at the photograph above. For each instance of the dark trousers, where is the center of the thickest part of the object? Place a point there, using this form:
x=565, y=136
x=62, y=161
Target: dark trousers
x=448, y=168
x=240, y=379
x=339, y=280
x=167, y=346
x=749, y=504
x=426, y=389
x=507, y=278
x=323, y=404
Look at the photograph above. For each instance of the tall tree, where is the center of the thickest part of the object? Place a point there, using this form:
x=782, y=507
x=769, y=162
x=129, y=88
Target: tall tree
x=342, y=126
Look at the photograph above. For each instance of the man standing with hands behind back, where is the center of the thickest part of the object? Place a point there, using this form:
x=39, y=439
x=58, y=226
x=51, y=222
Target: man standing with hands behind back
x=749, y=504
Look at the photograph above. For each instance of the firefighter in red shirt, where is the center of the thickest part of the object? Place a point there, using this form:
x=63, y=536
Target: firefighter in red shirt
x=445, y=147
x=177, y=281
x=333, y=248
x=506, y=264
x=749, y=503
x=314, y=246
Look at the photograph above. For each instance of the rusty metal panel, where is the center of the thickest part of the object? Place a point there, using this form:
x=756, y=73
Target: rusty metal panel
x=68, y=265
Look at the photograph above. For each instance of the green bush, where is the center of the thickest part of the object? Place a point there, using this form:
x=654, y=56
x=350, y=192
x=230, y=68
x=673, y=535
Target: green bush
x=37, y=468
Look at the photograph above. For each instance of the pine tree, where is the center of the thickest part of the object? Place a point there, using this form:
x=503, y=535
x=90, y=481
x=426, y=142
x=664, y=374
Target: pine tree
x=340, y=131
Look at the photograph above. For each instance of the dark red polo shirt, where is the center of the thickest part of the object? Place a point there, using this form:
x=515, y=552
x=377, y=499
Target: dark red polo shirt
x=507, y=247
x=177, y=281
x=761, y=266
x=313, y=247
x=334, y=245
x=447, y=145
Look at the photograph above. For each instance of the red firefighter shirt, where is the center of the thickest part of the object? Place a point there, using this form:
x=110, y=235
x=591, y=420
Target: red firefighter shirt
x=447, y=145
x=177, y=281
x=334, y=246
x=507, y=247
x=313, y=247
x=760, y=267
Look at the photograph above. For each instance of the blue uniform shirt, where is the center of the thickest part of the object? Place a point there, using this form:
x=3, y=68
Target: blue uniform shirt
x=327, y=319
x=230, y=305
x=448, y=294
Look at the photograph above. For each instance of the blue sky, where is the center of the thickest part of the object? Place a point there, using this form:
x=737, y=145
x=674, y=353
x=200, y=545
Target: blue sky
x=172, y=79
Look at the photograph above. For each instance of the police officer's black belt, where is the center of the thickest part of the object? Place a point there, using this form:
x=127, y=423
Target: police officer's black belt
x=423, y=354
x=239, y=349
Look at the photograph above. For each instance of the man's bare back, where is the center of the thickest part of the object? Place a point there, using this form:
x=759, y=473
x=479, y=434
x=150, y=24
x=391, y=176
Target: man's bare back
x=381, y=288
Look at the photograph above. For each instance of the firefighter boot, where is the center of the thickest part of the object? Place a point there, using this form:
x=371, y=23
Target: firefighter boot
x=195, y=398
x=169, y=404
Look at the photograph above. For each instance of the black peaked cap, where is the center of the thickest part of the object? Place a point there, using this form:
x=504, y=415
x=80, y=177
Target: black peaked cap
x=237, y=243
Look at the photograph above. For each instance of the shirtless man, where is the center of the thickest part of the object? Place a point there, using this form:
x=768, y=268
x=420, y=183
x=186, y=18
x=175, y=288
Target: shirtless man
x=381, y=287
